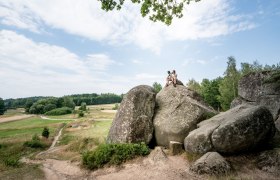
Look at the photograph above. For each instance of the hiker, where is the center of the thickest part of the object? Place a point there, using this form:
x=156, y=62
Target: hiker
x=174, y=78
x=168, y=79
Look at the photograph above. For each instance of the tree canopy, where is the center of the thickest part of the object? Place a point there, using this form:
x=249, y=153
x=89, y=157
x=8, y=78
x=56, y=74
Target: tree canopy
x=157, y=10
x=157, y=87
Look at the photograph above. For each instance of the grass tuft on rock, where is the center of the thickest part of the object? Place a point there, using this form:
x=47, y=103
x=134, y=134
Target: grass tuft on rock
x=113, y=154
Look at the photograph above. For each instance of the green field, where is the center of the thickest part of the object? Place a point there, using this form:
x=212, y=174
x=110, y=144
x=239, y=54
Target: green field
x=25, y=129
x=79, y=134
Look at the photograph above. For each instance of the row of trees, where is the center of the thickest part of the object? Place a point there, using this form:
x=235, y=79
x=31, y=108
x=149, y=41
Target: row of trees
x=220, y=92
x=94, y=99
x=89, y=99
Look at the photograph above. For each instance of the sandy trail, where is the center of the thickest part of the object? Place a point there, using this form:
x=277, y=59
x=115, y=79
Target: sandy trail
x=15, y=118
x=53, y=143
x=109, y=111
x=46, y=118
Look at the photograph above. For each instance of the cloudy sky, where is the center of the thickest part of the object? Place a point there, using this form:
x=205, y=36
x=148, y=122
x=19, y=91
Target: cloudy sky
x=56, y=48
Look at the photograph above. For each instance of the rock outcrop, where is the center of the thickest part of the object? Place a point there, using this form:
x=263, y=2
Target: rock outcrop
x=178, y=112
x=133, y=121
x=240, y=129
x=260, y=88
x=211, y=163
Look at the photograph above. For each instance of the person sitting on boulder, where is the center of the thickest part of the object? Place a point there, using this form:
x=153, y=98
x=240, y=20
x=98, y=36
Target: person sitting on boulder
x=168, y=79
x=174, y=78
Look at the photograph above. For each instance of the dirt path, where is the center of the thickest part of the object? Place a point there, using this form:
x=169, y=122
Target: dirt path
x=109, y=111
x=44, y=117
x=156, y=166
x=53, y=143
x=15, y=118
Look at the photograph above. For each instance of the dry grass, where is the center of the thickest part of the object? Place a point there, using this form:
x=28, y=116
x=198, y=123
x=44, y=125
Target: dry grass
x=84, y=133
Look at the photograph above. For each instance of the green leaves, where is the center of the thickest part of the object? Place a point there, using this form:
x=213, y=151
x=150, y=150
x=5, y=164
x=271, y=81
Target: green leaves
x=158, y=10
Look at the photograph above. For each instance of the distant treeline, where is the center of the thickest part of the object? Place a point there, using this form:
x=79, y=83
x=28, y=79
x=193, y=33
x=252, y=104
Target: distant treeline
x=93, y=99
x=89, y=99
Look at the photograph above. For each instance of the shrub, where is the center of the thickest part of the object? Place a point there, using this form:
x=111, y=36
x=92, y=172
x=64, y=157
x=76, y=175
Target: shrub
x=116, y=107
x=34, y=144
x=59, y=111
x=46, y=132
x=81, y=114
x=12, y=161
x=83, y=106
x=113, y=154
x=35, y=137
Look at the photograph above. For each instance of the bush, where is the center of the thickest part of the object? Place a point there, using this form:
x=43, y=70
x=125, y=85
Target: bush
x=116, y=107
x=34, y=144
x=59, y=111
x=113, y=154
x=81, y=114
x=83, y=106
x=35, y=137
x=46, y=132
x=12, y=161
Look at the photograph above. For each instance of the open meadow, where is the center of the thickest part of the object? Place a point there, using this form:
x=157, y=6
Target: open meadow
x=79, y=134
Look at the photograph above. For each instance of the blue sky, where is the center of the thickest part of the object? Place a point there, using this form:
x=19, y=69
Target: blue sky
x=56, y=48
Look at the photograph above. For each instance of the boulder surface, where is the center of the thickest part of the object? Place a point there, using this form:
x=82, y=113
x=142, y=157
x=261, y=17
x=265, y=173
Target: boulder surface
x=240, y=129
x=269, y=161
x=177, y=113
x=260, y=88
x=133, y=121
x=211, y=163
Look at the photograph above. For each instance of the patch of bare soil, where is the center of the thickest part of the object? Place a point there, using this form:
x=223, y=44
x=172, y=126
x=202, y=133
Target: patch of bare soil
x=109, y=111
x=173, y=167
x=156, y=166
x=14, y=118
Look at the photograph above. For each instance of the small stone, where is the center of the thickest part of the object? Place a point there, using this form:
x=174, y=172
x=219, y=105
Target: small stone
x=175, y=147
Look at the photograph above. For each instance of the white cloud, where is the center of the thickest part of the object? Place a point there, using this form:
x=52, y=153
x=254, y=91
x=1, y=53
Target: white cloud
x=206, y=19
x=195, y=61
x=146, y=76
x=99, y=61
x=28, y=68
x=20, y=16
x=136, y=61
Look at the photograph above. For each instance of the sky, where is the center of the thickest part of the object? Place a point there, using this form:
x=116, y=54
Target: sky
x=56, y=48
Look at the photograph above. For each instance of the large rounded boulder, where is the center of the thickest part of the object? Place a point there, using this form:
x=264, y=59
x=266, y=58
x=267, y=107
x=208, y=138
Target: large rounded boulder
x=242, y=128
x=177, y=113
x=133, y=121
